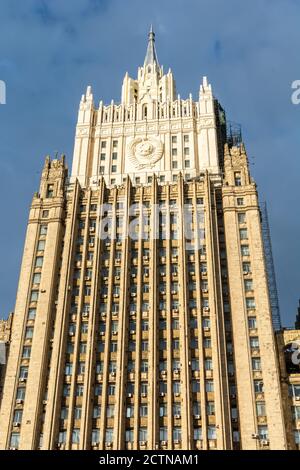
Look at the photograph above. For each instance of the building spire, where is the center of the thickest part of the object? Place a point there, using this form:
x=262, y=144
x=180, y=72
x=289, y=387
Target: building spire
x=151, y=56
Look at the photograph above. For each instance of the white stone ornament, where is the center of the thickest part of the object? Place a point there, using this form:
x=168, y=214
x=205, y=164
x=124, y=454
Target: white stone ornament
x=145, y=152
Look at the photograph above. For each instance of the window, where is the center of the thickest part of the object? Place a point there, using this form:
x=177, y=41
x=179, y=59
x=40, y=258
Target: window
x=240, y=201
x=197, y=434
x=247, y=267
x=29, y=333
x=208, y=364
x=43, y=229
x=130, y=411
x=99, y=367
x=103, y=144
x=209, y=386
x=21, y=393
x=31, y=313
x=77, y=412
x=26, y=352
x=186, y=138
x=254, y=342
x=66, y=390
x=144, y=346
x=114, y=169
x=210, y=408
x=243, y=234
x=258, y=386
x=41, y=245
x=96, y=412
x=297, y=436
x=36, y=278
x=176, y=387
x=144, y=366
x=114, y=156
x=252, y=323
x=261, y=408
x=39, y=261
x=177, y=434
x=144, y=410
x=163, y=434
x=295, y=390
x=174, y=139
x=248, y=285
x=14, y=440
x=98, y=390
x=245, y=250
x=79, y=391
x=111, y=389
x=143, y=434
x=17, y=416
x=196, y=386
x=95, y=436
x=256, y=363
x=129, y=435
x=62, y=437
x=81, y=368
x=75, y=436
x=109, y=435
x=23, y=373
x=113, y=346
x=112, y=367
x=237, y=179
x=110, y=411
x=263, y=432
x=241, y=217
x=211, y=433
x=250, y=303
x=34, y=296
x=50, y=191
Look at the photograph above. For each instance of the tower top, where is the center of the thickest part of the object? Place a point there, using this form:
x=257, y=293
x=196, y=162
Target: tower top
x=151, y=55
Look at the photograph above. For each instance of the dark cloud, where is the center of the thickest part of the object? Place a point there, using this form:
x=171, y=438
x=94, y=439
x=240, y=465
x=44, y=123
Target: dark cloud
x=50, y=52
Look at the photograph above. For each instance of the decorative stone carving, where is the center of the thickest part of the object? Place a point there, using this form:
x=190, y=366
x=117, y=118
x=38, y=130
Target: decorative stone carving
x=145, y=152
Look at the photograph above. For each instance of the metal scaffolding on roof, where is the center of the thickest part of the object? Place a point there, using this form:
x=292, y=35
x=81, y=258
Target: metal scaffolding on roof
x=272, y=285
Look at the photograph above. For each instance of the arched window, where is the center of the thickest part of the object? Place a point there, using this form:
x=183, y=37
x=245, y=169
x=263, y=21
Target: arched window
x=145, y=111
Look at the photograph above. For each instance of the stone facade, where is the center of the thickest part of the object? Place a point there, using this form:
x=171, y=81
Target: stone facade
x=142, y=317
x=5, y=332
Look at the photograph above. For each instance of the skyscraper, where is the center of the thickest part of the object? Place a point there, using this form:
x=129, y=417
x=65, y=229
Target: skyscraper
x=142, y=317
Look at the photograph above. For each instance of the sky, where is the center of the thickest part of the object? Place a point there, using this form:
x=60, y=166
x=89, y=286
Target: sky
x=51, y=50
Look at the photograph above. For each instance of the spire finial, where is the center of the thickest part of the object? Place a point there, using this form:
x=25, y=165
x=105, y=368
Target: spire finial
x=151, y=56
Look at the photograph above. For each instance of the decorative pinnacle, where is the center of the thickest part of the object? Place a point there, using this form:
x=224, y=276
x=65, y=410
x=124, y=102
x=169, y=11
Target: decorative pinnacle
x=151, y=56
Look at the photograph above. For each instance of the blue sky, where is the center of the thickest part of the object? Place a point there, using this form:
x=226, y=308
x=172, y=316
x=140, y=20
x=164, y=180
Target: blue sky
x=51, y=50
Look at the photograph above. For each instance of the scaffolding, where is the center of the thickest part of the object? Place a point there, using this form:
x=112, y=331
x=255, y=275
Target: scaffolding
x=234, y=134
x=272, y=285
